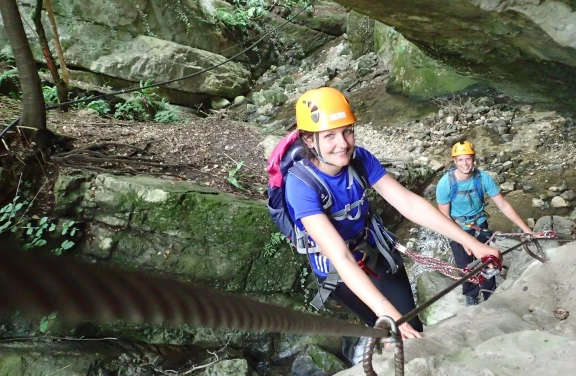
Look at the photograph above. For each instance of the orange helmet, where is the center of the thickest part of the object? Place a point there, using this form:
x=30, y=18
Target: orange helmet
x=322, y=109
x=462, y=148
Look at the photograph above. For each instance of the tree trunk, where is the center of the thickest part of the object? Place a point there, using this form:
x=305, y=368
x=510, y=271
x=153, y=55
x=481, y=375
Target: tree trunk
x=34, y=111
x=61, y=87
x=63, y=67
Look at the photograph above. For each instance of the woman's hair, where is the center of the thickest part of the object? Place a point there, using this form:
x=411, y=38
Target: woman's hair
x=307, y=152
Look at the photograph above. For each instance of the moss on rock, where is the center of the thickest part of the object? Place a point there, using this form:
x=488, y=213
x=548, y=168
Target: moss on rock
x=412, y=72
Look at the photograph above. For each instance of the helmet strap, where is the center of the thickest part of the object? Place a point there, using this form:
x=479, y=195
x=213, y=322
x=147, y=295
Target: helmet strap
x=316, y=150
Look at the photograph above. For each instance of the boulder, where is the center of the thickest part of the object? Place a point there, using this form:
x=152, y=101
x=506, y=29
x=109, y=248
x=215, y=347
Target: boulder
x=503, y=42
x=176, y=228
x=139, y=41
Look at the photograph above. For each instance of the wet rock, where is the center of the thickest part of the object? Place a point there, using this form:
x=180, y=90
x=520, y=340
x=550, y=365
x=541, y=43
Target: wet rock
x=361, y=72
x=506, y=138
x=239, y=100
x=427, y=286
x=537, y=203
x=527, y=187
x=435, y=165
x=316, y=362
x=568, y=195
x=522, y=120
x=507, y=186
x=220, y=103
x=500, y=123
x=550, y=193
x=507, y=165
x=237, y=367
x=559, y=202
x=503, y=157
x=251, y=108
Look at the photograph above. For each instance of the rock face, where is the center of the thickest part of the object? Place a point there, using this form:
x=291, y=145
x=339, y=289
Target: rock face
x=178, y=229
x=118, y=43
x=413, y=72
x=505, y=43
x=525, y=328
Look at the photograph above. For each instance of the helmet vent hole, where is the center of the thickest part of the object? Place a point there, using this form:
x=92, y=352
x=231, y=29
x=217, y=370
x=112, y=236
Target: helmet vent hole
x=315, y=117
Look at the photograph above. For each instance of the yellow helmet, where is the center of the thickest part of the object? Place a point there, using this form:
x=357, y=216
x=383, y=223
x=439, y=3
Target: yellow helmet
x=462, y=148
x=322, y=109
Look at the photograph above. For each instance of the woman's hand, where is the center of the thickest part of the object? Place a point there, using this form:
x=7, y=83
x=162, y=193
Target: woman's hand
x=408, y=332
x=480, y=250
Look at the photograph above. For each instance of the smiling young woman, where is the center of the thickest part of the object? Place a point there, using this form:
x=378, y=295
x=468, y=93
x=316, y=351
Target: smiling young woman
x=344, y=238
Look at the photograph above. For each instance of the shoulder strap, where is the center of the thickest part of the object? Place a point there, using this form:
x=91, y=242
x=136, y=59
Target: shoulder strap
x=478, y=184
x=311, y=179
x=453, y=184
x=358, y=172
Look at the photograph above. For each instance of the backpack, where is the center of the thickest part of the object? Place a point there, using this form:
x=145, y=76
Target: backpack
x=287, y=158
x=454, y=184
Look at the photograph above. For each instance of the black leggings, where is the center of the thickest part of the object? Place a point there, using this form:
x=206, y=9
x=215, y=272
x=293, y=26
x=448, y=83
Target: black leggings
x=395, y=287
x=462, y=259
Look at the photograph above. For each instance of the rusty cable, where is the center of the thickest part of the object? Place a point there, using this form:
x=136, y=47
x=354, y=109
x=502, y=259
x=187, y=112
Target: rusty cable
x=40, y=285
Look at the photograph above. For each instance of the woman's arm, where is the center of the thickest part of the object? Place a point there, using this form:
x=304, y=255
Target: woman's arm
x=420, y=211
x=320, y=228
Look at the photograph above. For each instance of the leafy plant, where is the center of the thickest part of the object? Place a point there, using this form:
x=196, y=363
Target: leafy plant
x=50, y=94
x=232, y=175
x=101, y=106
x=9, y=74
x=133, y=109
x=243, y=14
x=167, y=116
x=8, y=213
x=145, y=105
x=34, y=233
x=276, y=239
x=45, y=322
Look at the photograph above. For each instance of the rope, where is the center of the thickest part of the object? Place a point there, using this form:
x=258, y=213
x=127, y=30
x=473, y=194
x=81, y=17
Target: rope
x=124, y=91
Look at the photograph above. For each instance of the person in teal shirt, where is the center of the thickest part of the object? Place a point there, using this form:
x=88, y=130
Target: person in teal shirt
x=460, y=196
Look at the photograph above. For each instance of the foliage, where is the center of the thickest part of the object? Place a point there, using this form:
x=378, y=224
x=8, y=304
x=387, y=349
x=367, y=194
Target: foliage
x=45, y=321
x=243, y=14
x=249, y=14
x=101, y=106
x=232, y=179
x=167, y=116
x=147, y=105
x=276, y=239
x=50, y=94
x=9, y=74
x=132, y=109
x=34, y=233
x=9, y=212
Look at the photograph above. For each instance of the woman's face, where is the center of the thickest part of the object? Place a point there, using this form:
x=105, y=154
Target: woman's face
x=336, y=145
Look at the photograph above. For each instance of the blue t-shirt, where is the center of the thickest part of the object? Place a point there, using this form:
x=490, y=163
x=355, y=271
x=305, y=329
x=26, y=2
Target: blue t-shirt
x=466, y=204
x=303, y=201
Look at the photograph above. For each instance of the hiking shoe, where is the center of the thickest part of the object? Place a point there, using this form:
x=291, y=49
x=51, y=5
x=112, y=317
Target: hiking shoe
x=472, y=300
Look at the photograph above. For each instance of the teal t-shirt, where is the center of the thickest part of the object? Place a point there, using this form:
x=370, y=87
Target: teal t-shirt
x=466, y=204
